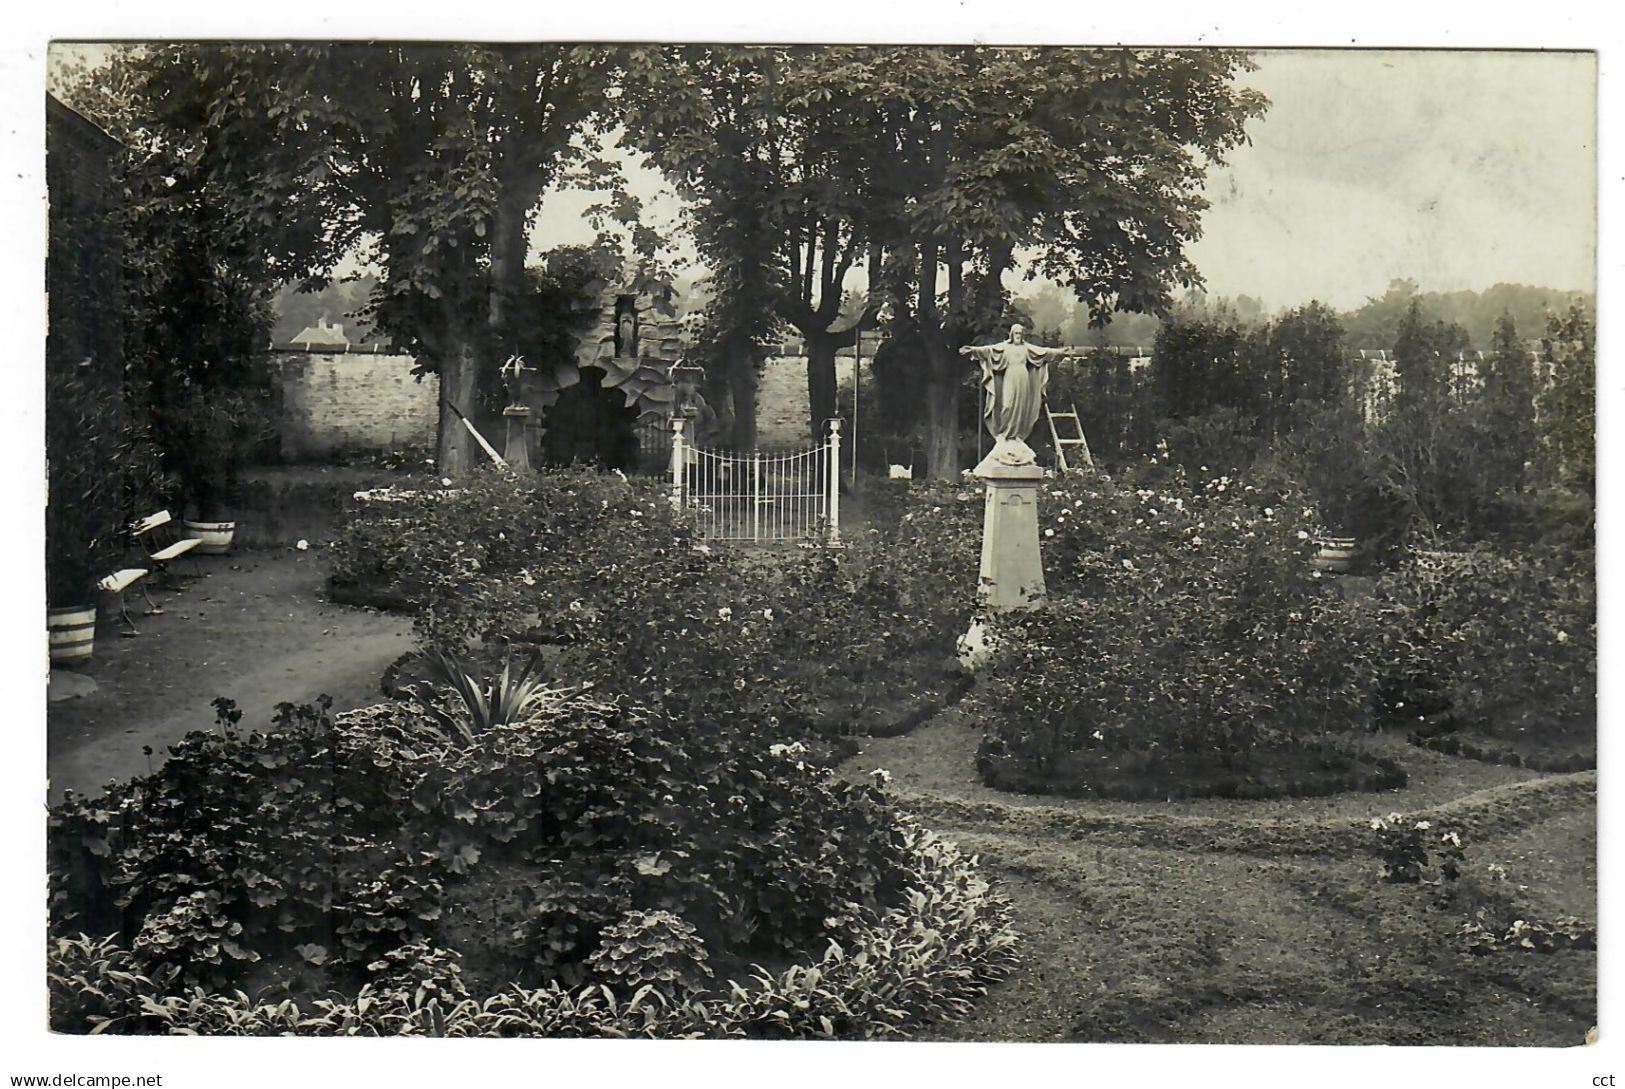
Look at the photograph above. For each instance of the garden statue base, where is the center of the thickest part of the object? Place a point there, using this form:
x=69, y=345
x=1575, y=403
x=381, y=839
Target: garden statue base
x=517, y=451
x=1012, y=575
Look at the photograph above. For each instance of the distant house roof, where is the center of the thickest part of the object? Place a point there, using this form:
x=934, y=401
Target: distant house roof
x=323, y=334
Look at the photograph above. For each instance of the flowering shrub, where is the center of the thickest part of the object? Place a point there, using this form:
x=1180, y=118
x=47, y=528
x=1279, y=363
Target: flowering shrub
x=1509, y=641
x=1156, y=527
x=1188, y=635
x=801, y=642
x=930, y=541
x=1417, y=851
x=1422, y=852
x=464, y=557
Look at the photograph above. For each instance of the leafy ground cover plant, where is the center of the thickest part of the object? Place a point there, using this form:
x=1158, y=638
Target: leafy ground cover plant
x=1416, y=851
x=922, y=961
x=590, y=844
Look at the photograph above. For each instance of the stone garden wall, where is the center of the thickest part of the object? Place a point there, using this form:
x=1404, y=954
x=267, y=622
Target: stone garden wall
x=352, y=401
x=781, y=399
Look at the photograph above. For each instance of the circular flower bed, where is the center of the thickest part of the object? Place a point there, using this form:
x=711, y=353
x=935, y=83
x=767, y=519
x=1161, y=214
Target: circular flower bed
x=592, y=869
x=1190, y=649
x=1287, y=769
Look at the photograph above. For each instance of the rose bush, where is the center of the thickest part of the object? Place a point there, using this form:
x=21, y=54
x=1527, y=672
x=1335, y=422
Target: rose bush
x=810, y=640
x=1190, y=646
x=1503, y=646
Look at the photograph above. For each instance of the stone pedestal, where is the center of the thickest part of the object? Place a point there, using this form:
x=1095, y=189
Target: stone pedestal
x=516, y=451
x=1012, y=573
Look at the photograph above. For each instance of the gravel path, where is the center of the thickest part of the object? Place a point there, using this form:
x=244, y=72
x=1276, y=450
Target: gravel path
x=256, y=629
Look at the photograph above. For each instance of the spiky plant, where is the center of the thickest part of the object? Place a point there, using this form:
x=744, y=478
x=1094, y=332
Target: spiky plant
x=494, y=702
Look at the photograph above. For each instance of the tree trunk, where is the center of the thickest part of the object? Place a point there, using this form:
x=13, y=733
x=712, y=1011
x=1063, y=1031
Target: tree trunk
x=944, y=368
x=507, y=260
x=742, y=382
x=821, y=384
x=456, y=452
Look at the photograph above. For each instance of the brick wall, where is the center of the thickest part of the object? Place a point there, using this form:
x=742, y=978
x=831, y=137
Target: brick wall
x=350, y=401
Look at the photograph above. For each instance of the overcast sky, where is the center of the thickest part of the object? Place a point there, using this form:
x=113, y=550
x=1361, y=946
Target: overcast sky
x=1455, y=169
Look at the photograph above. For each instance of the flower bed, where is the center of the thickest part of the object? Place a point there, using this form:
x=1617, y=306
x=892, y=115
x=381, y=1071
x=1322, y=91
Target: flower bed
x=1506, y=647
x=825, y=643
x=1190, y=649
x=593, y=869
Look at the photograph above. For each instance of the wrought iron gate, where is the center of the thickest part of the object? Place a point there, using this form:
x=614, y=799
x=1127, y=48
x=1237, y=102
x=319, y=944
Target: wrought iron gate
x=760, y=496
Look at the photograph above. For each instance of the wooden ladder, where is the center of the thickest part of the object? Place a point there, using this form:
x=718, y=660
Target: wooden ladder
x=1081, y=458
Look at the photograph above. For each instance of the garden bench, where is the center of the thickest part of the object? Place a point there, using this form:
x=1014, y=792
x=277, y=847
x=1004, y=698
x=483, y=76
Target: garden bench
x=158, y=540
x=120, y=581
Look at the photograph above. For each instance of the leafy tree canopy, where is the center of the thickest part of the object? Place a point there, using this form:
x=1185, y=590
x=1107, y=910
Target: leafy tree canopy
x=430, y=159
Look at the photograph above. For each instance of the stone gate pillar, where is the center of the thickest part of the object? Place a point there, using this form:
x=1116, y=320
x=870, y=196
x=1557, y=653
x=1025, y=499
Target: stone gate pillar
x=517, y=454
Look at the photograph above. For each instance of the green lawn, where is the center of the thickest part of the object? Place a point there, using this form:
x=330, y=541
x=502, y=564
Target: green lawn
x=1265, y=922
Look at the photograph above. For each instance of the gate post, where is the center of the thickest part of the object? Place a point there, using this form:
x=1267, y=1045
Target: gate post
x=755, y=495
x=834, y=474
x=678, y=459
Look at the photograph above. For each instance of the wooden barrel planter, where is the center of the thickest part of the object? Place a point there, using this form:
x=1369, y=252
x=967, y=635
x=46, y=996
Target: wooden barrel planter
x=72, y=634
x=1336, y=555
x=216, y=536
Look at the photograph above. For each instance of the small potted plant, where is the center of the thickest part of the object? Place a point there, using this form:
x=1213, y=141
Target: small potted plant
x=72, y=566
x=81, y=519
x=215, y=441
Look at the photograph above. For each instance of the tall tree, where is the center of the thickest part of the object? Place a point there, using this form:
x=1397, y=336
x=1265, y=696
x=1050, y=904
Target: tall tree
x=937, y=165
x=1425, y=354
x=778, y=163
x=1306, y=347
x=1506, y=405
x=197, y=287
x=1569, y=406
x=1090, y=159
x=430, y=159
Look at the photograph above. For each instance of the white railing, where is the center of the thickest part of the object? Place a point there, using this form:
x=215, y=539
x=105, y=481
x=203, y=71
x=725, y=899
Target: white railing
x=760, y=496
